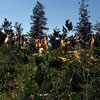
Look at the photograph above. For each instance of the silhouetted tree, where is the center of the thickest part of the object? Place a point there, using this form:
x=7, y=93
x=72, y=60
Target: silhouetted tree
x=97, y=27
x=97, y=40
x=84, y=26
x=6, y=26
x=39, y=21
x=19, y=29
x=55, y=38
x=2, y=37
x=68, y=27
x=64, y=32
x=97, y=36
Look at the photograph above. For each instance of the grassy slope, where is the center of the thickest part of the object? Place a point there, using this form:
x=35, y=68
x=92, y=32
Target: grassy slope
x=74, y=75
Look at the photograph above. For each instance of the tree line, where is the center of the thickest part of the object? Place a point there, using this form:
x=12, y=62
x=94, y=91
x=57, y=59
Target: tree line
x=83, y=29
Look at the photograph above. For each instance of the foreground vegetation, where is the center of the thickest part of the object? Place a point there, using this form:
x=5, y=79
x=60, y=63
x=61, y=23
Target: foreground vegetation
x=53, y=76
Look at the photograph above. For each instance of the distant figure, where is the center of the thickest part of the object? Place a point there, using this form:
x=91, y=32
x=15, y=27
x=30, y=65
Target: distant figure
x=45, y=42
x=11, y=38
x=11, y=34
x=31, y=97
x=73, y=42
x=16, y=39
x=69, y=43
x=63, y=42
x=7, y=39
x=78, y=41
x=37, y=44
x=24, y=46
x=41, y=50
x=92, y=38
x=41, y=43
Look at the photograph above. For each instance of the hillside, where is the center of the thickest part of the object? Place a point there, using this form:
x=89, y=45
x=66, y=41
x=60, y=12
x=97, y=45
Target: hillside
x=54, y=75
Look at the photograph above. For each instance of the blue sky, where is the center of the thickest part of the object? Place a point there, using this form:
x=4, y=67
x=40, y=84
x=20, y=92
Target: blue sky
x=57, y=11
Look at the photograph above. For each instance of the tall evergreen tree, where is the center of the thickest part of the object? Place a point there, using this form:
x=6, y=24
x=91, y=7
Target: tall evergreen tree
x=39, y=21
x=84, y=26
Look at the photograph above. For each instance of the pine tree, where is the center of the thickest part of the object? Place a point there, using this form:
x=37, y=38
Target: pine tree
x=38, y=21
x=84, y=26
x=6, y=26
x=97, y=27
x=97, y=36
x=55, y=38
x=68, y=27
x=19, y=30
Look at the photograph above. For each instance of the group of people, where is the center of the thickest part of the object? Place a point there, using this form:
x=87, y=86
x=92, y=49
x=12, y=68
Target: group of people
x=21, y=42
x=9, y=37
x=41, y=44
x=77, y=42
x=16, y=40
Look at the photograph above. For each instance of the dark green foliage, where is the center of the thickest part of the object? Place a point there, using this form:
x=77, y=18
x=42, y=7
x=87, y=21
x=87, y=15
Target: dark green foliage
x=11, y=66
x=55, y=63
x=39, y=60
x=96, y=52
x=55, y=74
x=55, y=38
x=97, y=40
x=2, y=38
x=48, y=77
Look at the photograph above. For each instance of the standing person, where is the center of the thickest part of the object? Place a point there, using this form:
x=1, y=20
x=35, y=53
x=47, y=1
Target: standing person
x=63, y=42
x=24, y=46
x=73, y=42
x=41, y=49
x=69, y=44
x=6, y=39
x=92, y=38
x=37, y=44
x=40, y=46
x=45, y=42
x=78, y=41
x=16, y=39
x=11, y=38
